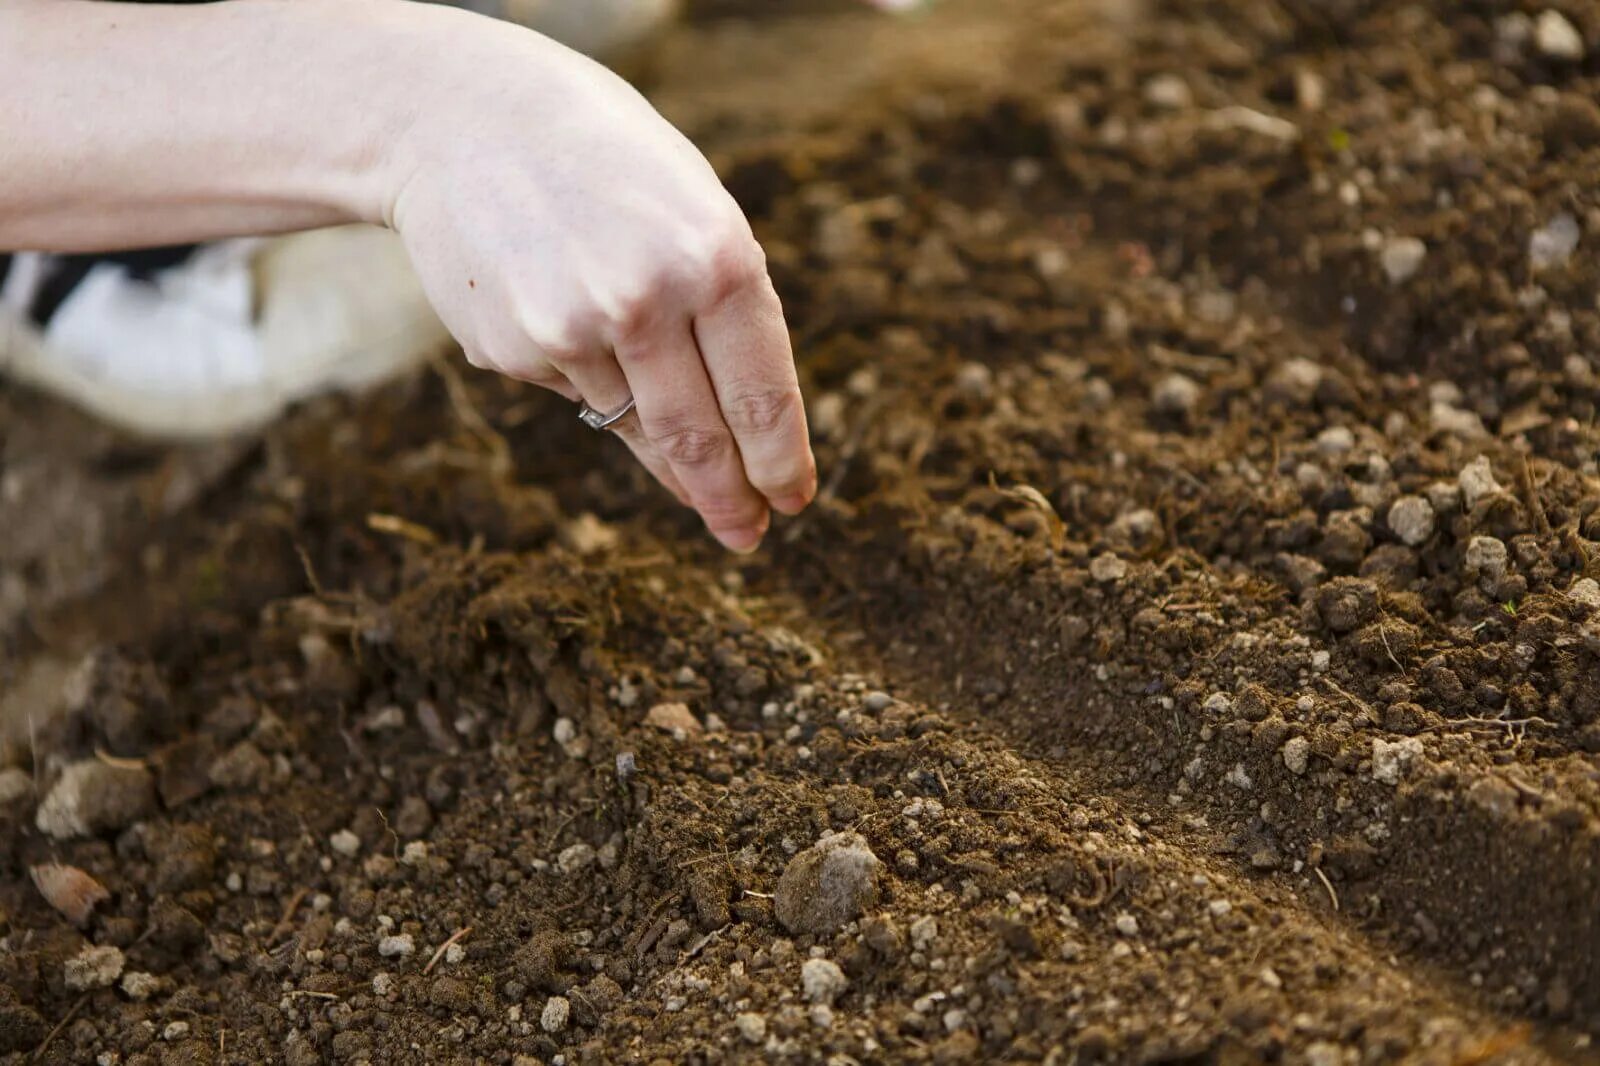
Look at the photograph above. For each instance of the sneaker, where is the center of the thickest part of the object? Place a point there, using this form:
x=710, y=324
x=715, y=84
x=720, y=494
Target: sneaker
x=205, y=340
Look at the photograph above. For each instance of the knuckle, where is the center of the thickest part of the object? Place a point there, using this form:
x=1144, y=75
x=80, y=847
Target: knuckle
x=693, y=445
x=732, y=266
x=760, y=410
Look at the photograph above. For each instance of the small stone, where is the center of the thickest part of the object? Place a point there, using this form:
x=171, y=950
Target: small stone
x=1401, y=258
x=1553, y=243
x=1127, y=924
x=1323, y=1053
x=1447, y=418
x=1296, y=755
x=1556, y=37
x=1336, y=441
x=924, y=932
x=823, y=981
x=752, y=1027
x=1476, y=481
x=564, y=732
x=1411, y=519
x=14, y=785
x=397, y=946
x=587, y=535
x=414, y=854
x=876, y=702
x=975, y=381
x=1169, y=92
x=139, y=986
x=575, y=859
x=1486, y=557
x=92, y=796
x=627, y=766
x=1108, y=567
x=830, y=883
x=345, y=843
x=1585, y=592
x=1391, y=761
x=676, y=719
x=242, y=766
x=557, y=1011
x=93, y=967
x=1176, y=396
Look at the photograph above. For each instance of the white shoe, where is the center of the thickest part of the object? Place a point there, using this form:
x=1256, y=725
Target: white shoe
x=220, y=338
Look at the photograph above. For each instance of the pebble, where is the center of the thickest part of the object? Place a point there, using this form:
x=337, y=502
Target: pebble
x=575, y=859
x=93, y=796
x=1176, y=395
x=1411, y=518
x=830, y=883
x=1296, y=755
x=345, y=843
x=1455, y=421
x=93, y=967
x=822, y=981
x=1555, y=36
x=924, y=932
x=877, y=701
x=1401, y=258
x=1390, y=761
x=1476, y=481
x=1585, y=592
x=564, y=732
x=752, y=1027
x=676, y=719
x=975, y=381
x=14, y=784
x=557, y=1011
x=1108, y=567
x=397, y=946
x=588, y=535
x=1553, y=243
x=1127, y=924
x=1168, y=91
x=1486, y=557
x=1335, y=441
x=140, y=986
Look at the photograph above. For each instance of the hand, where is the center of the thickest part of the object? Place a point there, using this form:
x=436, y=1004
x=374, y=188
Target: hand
x=570, y=237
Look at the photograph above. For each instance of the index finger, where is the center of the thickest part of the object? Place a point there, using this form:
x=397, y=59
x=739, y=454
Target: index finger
x=745, y=346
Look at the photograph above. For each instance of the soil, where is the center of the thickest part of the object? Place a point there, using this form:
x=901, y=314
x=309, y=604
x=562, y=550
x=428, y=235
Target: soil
x=1198, y=624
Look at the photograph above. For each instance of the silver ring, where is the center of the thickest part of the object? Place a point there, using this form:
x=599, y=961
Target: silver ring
x=599, y=419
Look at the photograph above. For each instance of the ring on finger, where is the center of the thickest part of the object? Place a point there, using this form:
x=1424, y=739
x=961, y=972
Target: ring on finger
x=602, y=419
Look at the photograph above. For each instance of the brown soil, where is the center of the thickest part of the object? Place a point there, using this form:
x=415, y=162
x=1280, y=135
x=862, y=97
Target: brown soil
x=1177, y=737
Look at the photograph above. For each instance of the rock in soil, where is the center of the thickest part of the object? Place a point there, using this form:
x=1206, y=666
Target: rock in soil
x=830, y=883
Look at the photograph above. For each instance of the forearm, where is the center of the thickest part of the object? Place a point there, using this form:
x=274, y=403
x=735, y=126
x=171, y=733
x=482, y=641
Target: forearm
x=135, y=124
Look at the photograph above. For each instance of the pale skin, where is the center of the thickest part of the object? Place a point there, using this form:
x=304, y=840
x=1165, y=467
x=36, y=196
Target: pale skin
x=565, y=233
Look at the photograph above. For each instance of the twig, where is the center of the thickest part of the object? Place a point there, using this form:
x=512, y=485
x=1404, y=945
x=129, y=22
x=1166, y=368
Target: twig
x=62, y=1024
x=1332, y=895
x=395, y=526
x=455, y=938
x=469, y=415
x=289, y=908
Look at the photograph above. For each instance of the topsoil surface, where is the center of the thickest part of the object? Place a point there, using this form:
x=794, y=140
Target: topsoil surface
x=1198, y=623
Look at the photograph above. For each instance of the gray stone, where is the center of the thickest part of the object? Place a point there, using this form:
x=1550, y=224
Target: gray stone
x=830, y=883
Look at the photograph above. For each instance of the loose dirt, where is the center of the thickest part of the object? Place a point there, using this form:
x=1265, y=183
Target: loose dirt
x=1192, y=655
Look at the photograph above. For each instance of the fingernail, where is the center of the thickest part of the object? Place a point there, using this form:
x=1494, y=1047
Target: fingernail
x=793, y=503
x=742, y=541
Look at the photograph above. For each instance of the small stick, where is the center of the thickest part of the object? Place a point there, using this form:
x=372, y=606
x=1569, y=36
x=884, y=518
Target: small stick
x=455, y=938
x=62, y=1024
x=1332, y=895
x=288, y=915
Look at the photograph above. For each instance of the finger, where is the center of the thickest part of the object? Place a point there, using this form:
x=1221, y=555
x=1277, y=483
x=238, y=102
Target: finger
x=597, y=380
x=679, y=414
x=751, y=366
